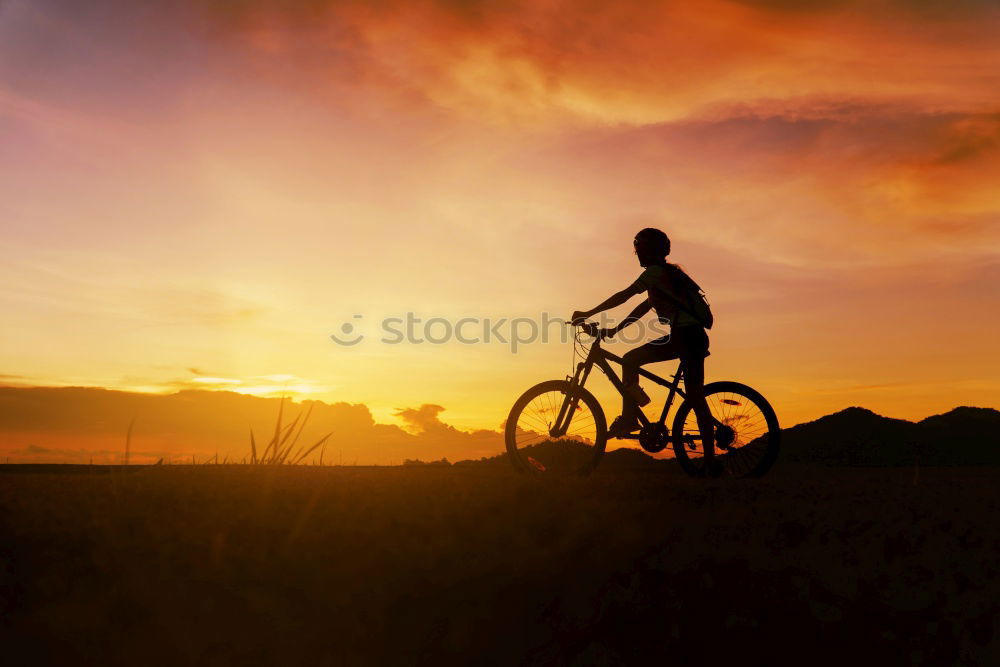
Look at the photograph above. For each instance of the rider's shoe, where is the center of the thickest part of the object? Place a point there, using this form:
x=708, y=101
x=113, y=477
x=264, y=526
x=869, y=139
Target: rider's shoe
x=620, y=428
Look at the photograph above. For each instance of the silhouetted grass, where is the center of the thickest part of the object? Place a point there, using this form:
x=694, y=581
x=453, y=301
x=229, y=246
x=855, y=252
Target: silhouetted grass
x=279, y=450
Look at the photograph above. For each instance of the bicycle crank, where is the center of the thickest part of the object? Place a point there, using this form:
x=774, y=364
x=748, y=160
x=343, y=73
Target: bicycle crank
x=654, y=437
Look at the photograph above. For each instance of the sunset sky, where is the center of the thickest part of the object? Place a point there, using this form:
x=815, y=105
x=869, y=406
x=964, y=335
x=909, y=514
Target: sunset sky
x=197, y=194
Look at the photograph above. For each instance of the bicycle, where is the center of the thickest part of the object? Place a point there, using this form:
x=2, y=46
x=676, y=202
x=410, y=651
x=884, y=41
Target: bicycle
x=542, y=437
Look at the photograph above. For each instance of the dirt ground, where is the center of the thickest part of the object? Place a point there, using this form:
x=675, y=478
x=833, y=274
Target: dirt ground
x=235, y=565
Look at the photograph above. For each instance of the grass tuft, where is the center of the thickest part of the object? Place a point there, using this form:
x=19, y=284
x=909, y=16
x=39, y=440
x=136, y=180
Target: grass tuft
x=279, y=450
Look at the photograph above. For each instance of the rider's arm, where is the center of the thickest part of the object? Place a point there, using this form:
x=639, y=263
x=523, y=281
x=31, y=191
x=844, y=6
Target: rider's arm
x=612, y=301
x=634, y=316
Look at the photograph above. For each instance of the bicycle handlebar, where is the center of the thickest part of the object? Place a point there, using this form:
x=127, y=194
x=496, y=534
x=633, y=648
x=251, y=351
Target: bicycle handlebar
x=590, y=328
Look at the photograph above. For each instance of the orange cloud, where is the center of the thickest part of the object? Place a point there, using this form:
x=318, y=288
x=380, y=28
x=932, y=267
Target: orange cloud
x=422, y=419
x=873, y=123
x=632, y=62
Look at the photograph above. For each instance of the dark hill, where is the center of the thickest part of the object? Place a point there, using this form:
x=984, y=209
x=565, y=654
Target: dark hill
x=965, y=436
x=856, y=436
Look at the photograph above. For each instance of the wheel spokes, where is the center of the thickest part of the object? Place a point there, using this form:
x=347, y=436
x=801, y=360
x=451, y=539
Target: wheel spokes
x=539, y=451
x=749, y=438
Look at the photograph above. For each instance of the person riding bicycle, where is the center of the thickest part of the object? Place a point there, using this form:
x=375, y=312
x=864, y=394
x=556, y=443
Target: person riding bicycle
x=666, y=288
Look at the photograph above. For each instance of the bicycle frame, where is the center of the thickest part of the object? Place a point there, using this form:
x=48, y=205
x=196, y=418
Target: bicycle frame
x=598, y=356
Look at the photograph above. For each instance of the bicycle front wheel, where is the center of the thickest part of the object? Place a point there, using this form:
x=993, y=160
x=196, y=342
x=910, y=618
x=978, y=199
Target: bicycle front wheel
x=747, y=434
x=539, y=443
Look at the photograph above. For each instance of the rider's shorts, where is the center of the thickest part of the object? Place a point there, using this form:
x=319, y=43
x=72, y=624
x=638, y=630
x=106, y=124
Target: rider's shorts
x=682, y=343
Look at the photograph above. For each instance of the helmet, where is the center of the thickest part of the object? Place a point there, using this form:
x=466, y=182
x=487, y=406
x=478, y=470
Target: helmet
x=651, y=245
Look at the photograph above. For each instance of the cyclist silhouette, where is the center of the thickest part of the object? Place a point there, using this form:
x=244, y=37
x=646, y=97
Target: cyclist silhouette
x=667, y=288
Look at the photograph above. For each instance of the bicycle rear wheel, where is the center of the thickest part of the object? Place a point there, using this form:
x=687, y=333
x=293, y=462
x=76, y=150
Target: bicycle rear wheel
x=746, y=431
x=535, y=446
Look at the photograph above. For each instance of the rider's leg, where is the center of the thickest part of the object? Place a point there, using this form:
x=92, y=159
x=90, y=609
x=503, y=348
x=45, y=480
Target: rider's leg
x=660, y=349
x=631, y=361
x=695, y=344
x=694, y=386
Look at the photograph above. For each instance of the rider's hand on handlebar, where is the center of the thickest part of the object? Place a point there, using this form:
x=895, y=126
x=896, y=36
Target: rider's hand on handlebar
x=589, y=328
x=579, y=319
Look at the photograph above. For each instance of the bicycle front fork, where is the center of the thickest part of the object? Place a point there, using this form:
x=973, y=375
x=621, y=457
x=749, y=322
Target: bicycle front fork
x=569, y=406
x=565, y=416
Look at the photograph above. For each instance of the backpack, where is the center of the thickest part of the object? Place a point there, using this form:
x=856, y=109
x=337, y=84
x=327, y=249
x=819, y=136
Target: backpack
x=695, y=302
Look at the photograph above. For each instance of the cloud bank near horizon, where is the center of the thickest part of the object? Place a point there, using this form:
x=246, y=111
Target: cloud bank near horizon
x=80, y=424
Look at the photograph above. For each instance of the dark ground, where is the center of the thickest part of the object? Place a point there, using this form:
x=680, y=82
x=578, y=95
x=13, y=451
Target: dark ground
x=219, y=565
